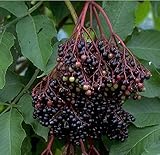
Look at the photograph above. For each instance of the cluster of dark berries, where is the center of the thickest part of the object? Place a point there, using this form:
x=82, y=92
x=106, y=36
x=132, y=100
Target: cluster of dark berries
x=83, y=96
x=84, y=99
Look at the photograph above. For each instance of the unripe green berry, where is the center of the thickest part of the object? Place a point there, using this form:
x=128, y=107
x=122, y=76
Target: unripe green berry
x=143, y=89
x=76, y=81
x=71, y=69
x=139, y=97
x=115, y=86
x=112, y=89
x=109, y=84
x=72, y=79
x=78, y=89
x=123, y=87
x=123, y=97
x=64, y=78
x=106, y=89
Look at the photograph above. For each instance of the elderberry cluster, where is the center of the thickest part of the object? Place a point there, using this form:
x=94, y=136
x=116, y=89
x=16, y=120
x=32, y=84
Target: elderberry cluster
x=84, y=96
x=127, y=75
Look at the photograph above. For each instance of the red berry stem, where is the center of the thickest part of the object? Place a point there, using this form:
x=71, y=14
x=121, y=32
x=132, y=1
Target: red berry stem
x=82, y=147
x=91, y=15
x=98, y=22
x=84, y=13
x=105, y=16
x=82, y=97
x=48, y=151
x=92, y=149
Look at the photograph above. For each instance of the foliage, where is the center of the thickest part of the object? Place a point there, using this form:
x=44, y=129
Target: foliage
x=28, y=50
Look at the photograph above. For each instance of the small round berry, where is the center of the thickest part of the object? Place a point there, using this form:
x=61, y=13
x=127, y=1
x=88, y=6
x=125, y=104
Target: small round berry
x=148, y=75
x=78, y=64
x=78, y=89
x=123, y=87
x=115, y=86
x=143, y=89
x=38, y=105
x=104, y=54
x=123, y=97
x=70, y=69
x=139, y=97
x=109, y=84
x=104, y=72
x=140, y=85
x=137, y=80
x=64, y=78
x=88, y=92
x=71, y=79
x=49, y=103
x=83, y=57
x=127, y=92
x=118, y=77
x=86, y=87
x=110, y=55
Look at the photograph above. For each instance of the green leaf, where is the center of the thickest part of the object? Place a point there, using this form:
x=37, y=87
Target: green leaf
x=121, y=15
x=40, y=130
x=2, y=107
x=146, y=111
x=154, y=149
x=138, y=140
x=146, y=46
x=34, y=35
x=53, y=59
x=58, y=147
x=26, y=146
x=68, y=29
x=3, y=103
x=142, y=11
x=3, y=13
x=105, y=140
x=12, y=87
x=61, y=12
x=26, y=108
x=153, y=84
x=156, y=14
x=157, y=23
x=56, y=6
x=18, y=9
x=11, y=133
x=39, y=146
x=6, y=42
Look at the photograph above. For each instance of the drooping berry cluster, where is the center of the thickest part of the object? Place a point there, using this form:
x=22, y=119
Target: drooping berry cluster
x=83, y=96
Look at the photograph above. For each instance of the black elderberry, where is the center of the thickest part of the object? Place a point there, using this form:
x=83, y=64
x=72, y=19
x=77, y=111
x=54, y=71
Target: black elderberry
x=82, y=97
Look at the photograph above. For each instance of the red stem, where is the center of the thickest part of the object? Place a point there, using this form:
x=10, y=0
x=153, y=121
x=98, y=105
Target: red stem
x=48, y=151
x=98, y=21
x=105, y=16
x=91, y=16
x=92, y=148
x=124, y=46
x=84, y=13
x=78, y=21
x=95, y=150
x=83, y=147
